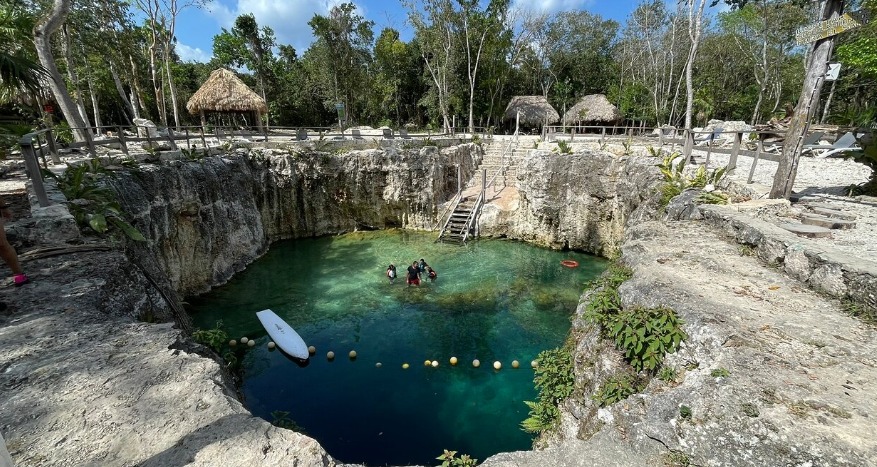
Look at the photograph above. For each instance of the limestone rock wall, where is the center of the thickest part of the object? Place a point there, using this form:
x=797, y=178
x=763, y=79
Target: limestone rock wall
x=579, y=201
x=207, y=219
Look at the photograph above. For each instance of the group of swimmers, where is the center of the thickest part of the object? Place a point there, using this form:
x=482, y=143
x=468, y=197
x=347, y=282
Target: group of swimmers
x=415, y=273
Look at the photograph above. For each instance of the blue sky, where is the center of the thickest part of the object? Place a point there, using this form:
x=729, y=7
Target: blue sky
x=289, y=18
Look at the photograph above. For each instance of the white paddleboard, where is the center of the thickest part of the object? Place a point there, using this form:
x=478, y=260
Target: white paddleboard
x=283, y=335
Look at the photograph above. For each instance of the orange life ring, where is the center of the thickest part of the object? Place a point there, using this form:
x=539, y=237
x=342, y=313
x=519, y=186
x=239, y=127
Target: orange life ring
x=570, y=263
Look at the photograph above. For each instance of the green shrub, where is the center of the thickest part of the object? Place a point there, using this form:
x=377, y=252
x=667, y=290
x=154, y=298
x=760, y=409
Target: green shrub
x=720, y=373
x=555, y=382
x=617, y=388
x=450, y=459
x=685, y=412
x=214, y=338
x=668, y=374
x=645, y=335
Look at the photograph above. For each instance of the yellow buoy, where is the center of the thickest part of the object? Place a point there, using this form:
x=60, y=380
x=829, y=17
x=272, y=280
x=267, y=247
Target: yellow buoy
x=476, y=363
x=312, y=350
x=534, y=364
x=271, y=345
x=232, y=343
x=435, y=363
x=515, y=364
x=497, y=365
x=405, y=366
x=427, y=362
x=244, y=340
x=330, y=355
x=378, y=365
x=453, y=360
x=251, y=343
x=352, y=354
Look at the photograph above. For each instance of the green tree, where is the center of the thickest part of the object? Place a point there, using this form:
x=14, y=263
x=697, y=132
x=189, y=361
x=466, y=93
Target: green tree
x=19, y=71
x=343, y=46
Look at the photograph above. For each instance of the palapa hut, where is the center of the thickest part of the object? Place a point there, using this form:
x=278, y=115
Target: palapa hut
x=225, y=92
x=594, y=108
x=535, y=111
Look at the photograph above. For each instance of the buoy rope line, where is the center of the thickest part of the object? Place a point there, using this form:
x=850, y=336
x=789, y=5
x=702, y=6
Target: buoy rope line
x=330, y=355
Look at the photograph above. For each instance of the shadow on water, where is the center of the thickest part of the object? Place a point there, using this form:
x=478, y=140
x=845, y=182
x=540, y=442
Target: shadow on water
x=493, y=300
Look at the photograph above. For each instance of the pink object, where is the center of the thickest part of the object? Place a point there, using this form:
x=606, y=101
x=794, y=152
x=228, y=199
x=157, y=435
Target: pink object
x=20, y=279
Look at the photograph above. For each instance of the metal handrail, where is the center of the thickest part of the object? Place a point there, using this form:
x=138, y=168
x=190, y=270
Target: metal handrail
x=445, y=212
x=473, y=215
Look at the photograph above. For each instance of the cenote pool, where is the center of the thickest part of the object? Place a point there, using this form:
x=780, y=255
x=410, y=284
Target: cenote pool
x=493, y=300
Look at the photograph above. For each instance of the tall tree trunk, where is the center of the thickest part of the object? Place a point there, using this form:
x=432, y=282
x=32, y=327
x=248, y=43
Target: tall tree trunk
x=827, y=103
x=72, y=75
x=172, y=88
x=136, y=91
x=817, y=65
x=765, y=69
x=695, y=25
x=129, y=109
x=42, y=33
x=89, y=80
x=157, y=87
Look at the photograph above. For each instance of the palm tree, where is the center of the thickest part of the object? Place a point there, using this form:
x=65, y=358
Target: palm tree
x=18, y=70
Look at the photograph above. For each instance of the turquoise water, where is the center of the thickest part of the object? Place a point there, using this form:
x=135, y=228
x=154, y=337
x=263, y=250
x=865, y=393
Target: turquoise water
x=494, y=300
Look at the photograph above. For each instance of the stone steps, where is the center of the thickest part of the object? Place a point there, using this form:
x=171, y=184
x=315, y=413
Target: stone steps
x=832, y=213
x=827, y=222
x=804, y=230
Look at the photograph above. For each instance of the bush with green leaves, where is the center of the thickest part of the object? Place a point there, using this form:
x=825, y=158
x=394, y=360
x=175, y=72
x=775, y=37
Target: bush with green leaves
x=867, y=155
x=617, y=388
x=215, y=338
x=555, y=382
x=644, y=335
x=450, y=459
x=91, y=203
x=676, y=180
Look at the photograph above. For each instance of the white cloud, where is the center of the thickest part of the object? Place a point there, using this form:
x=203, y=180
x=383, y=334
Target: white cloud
x=191, y=54
x=550, y=6
x=288, y=18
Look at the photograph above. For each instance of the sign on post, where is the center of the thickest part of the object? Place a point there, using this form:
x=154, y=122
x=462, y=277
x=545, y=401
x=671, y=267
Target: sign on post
x=838, y=24
x=833, y=72
x=340, y=108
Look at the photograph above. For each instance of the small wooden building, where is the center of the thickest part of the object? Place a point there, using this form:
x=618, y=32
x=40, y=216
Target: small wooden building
x=592, y=109
x=535, y=111
x=224, y=92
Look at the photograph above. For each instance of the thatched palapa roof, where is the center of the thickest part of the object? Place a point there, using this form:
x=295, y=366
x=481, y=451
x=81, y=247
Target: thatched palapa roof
x=592, y=108
x=225, y=92
x=535, y=110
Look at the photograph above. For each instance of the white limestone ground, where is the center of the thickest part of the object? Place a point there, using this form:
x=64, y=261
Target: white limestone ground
x=829, y=180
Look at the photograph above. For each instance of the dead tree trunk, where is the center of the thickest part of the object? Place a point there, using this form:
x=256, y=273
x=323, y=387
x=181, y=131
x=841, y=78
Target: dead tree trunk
x=817, y=65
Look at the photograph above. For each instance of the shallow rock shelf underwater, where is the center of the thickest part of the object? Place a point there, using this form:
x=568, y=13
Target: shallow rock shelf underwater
x=494, y=300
